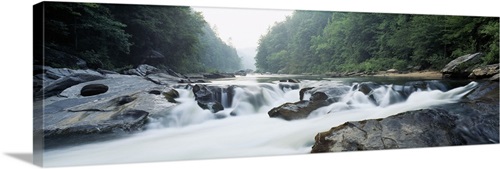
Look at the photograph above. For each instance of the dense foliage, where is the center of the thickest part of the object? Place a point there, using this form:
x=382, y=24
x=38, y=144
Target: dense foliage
x=113, y=36
x=319, y=42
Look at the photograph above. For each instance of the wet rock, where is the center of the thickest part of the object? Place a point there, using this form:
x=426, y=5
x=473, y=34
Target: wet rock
x=105, y=72
x=288, y=86
x=297, y=110
x=93, y=89
x=318, y=96
x=128, y=120
x=474, y=120
x=423, y=128
x=214, y=107
x=57, y=86
x=171, y=95
x=155, y=92
x=211, y=97
x=202, y=93
x=303, y=91
x=125, y=106
x=366, y=87
x=334, y=94
x=56, y=73
x=410, y=87
x=145, y=69
x=462, y=66
x=163, y=79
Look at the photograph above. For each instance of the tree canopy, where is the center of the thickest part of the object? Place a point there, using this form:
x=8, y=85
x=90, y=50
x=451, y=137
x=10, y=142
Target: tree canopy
x=318, y=42
x=115, y=36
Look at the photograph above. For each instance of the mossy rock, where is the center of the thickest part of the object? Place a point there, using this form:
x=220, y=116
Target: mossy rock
x=171, y=95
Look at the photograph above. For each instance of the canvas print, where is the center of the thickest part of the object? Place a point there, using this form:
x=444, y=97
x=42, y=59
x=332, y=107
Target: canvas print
x=119, y=83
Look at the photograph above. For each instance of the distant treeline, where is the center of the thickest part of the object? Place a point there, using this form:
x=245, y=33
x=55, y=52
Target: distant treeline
x=114, y=36
x=318, y=42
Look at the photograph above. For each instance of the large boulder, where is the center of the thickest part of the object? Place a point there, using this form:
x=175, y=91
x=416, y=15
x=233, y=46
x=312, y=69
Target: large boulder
x=333, y=94
x=297, y=110
x=57, y=86
x=124, y=106
x=475, y=120
x=212, y=97
x=142, y=70
x=462, y=66
x=48, y=81
x=485, y=71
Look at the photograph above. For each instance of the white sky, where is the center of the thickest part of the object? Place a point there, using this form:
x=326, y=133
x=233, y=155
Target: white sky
x=243, y=26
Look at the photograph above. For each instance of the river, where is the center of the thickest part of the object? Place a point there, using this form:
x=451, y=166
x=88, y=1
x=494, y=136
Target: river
x=244, y=128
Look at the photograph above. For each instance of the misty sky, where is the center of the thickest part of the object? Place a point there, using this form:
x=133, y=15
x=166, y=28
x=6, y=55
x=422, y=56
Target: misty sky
x=243, y=26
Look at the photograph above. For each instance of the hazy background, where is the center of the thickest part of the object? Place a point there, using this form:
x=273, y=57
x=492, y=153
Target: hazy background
x=242, y=27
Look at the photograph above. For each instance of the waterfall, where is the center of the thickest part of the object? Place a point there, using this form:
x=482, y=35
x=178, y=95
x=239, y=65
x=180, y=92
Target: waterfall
x=189, y=132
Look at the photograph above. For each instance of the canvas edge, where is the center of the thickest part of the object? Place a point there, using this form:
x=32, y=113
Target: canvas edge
x=38, y=39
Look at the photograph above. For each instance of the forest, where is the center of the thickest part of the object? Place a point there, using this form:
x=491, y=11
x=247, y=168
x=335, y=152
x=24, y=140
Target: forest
x=320, y=42
x=118, y=37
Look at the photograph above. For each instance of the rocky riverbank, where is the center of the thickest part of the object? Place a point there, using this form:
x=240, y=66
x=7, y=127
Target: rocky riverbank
x=474, y=120
x=464, y=67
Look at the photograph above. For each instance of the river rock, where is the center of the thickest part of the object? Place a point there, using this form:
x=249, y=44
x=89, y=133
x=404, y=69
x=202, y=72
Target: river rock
x=484, y=71
x=56, y=73
x=297, y=110
x=409, y=87
x=142, y=70
x=211, y=97
x=334, y=94
x=214, y=106
x=128, y=120
x=475, y=120
x=392, y=71
x=93, y=89
x=125, y=106
x=303, y=91
x=288, y=86
x=171, y=95
x=105, y=72
x=494, y=77
x=57, y=86
x=163, y=79
x=462, y=66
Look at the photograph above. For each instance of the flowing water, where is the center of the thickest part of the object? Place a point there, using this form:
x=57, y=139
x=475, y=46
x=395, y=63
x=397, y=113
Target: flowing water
x=245, y=129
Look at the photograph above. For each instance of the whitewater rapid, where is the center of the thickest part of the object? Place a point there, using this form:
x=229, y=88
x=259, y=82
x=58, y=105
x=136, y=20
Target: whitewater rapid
x=189, y=132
